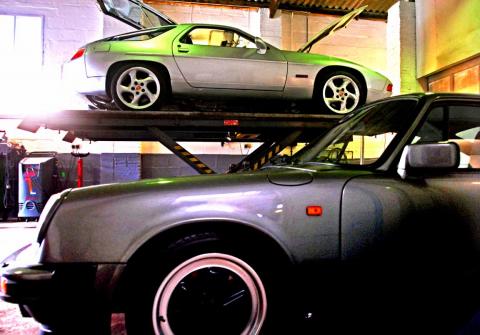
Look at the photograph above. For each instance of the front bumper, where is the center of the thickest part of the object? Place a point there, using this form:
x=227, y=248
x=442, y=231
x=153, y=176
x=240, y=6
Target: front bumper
x=54, y=294
x=26, y=285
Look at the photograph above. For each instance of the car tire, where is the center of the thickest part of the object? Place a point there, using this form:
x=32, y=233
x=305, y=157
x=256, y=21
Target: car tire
x=138, y=87
x=206, y=286
x=338, y=92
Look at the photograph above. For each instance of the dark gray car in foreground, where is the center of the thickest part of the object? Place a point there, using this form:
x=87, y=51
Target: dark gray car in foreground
x=373, y=229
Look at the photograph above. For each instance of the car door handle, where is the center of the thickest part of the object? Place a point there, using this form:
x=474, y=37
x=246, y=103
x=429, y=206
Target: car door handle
x=185, y=50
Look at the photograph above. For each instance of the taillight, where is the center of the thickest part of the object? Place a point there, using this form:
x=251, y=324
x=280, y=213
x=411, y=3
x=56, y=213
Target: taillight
x=389, y=87
x=3, y=286
x=78, y=54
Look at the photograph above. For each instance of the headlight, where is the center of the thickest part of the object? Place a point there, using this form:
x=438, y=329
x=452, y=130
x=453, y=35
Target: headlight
x=48, y=212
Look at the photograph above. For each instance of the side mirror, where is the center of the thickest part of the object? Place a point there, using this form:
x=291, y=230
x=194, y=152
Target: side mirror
x=261, y=46
x=418, y=159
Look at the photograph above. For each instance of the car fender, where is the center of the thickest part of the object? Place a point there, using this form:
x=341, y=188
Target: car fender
x=108, y=227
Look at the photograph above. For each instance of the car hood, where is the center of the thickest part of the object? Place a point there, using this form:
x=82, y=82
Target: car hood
x=332, y=28
x=279, y=175
x=319, y=59
x=125, y=216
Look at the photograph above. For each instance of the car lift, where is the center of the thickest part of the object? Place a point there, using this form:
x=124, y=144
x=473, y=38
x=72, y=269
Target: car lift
x=276, y=131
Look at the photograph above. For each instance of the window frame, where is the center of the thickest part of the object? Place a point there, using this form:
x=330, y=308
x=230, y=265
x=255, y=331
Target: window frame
x=250, y=38
x=445, y=105
x=42, y=29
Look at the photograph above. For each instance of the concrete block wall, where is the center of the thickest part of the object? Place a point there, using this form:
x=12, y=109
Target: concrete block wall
x=120, y=168
x=68, y=24
x=247, y=19
x=362, y=41
x=167, y=165
x=271, y=29
x=401, y=48
x=67, y=165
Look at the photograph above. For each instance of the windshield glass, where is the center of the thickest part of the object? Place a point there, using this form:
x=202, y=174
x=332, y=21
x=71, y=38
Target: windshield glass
x=361, y=139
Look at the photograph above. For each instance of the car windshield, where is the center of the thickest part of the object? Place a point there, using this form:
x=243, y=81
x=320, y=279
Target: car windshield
x=363, y=137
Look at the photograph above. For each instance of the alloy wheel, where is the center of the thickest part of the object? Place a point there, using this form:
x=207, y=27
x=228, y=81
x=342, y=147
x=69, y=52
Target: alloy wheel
x=138, y=87
x=341, y=94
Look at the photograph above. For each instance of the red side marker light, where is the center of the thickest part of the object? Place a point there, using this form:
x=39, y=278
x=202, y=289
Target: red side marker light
x=389, y=87
x=231, y=122
x=314, y=210
x=78, y=54
x=3, y=286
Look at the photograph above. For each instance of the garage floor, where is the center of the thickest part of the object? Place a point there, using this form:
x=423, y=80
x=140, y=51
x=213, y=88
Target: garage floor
x=12, y=322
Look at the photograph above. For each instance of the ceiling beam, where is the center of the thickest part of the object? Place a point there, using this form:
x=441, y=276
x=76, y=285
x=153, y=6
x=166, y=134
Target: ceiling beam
x=313, y=8
x=273, y=7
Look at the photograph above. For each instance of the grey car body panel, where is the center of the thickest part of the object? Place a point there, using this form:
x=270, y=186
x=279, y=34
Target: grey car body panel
x=224, y=72
x=109, y=215
x=381, y=240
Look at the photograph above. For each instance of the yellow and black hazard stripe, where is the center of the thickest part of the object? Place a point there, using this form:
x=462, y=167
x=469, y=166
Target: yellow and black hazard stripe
x=266, y=158
x=192, y=160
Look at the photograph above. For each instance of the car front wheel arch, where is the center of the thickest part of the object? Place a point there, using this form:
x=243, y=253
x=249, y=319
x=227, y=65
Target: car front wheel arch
x=252, y=260
x=325, y=98
x=157, y=69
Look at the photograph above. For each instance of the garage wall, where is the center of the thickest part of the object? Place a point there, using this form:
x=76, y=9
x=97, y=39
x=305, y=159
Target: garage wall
x=255, y=21
x=67, y=25
x=448, y=32
x=362, y=41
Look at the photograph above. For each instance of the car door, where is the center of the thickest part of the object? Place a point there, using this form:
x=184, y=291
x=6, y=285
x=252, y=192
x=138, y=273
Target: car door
x=223, y=58
x=416, y=241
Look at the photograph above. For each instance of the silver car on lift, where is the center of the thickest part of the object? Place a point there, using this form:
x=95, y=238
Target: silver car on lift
x=142, y=69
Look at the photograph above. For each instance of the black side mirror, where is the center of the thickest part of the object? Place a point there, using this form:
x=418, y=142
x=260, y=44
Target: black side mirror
x=418, y=159
x=261, y=46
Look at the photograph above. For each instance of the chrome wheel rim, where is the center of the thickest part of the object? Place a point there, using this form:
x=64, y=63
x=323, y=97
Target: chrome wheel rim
x=138, y=87
x=213, y=294
x=341, y=94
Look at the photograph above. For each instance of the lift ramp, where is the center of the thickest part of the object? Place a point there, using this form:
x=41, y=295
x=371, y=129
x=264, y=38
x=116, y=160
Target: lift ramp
x=275, y=130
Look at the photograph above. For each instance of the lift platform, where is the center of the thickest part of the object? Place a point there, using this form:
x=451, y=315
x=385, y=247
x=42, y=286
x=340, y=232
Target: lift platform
x=275, y=130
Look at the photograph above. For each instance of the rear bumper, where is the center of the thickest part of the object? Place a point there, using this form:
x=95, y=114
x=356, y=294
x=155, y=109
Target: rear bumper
x=75, y=76
x=374, y=95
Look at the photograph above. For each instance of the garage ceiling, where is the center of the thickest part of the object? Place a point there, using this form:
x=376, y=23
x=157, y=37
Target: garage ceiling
x=376, y=8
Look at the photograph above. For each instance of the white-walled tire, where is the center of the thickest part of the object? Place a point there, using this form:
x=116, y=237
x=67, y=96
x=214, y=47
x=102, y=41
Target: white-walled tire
x=212, y=293
x=200, y=284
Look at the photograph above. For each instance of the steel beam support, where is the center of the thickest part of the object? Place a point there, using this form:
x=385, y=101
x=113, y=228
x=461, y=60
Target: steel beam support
x=265, y=152
x=275, y=149
x=244, y=164
x=180, y=151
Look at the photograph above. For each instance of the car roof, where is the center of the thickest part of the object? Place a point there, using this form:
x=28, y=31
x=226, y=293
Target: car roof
x=436, y=96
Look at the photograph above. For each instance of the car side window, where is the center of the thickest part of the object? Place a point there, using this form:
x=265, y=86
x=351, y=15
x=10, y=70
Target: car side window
x=454, y=123
x=217, y=37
